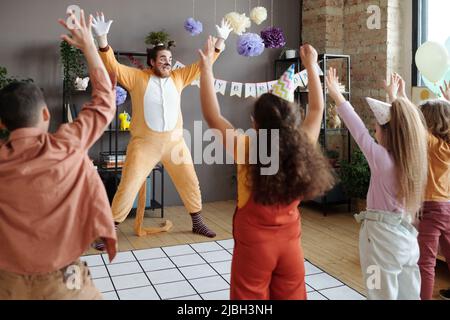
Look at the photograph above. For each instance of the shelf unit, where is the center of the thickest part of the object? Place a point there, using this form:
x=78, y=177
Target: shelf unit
x=113, y=133
x=335, y=196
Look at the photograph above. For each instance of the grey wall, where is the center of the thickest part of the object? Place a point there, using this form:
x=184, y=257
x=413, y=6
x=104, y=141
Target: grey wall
x=30, y=48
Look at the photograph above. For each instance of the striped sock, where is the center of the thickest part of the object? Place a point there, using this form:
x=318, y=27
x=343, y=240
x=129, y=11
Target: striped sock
x=98, y=244
x=199, y=227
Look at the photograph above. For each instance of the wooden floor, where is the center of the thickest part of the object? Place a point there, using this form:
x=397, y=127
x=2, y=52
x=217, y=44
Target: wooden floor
x=330, y=242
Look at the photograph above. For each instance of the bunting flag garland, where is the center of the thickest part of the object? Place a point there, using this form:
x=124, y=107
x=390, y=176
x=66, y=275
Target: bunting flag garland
x=178, y=65
x=236, y=89
x=261, y=88
x=220, y=86
x=250, y=90
x=247, y=90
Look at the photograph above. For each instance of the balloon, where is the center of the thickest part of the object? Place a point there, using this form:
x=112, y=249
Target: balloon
x=447, y=45
x=432, y=60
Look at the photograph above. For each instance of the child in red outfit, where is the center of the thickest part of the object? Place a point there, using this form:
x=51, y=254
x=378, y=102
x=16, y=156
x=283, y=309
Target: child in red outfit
x=268, y=261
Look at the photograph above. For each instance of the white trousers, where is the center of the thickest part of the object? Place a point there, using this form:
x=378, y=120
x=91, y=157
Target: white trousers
x=389, y=253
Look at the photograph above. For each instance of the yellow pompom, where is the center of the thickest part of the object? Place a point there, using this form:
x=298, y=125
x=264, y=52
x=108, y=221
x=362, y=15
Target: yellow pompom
x=239, y=22
x=258, y=15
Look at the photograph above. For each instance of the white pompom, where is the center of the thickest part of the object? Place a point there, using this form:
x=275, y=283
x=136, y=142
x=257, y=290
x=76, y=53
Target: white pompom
x=239, y=22
x=258, y=15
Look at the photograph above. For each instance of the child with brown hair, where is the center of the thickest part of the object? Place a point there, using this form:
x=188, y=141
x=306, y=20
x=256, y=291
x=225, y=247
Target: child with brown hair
x=52, y=201
x=388, y=244
x=434, y=228
x=268, y=261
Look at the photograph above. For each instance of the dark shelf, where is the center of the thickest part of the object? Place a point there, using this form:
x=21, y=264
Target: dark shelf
x=335, y=196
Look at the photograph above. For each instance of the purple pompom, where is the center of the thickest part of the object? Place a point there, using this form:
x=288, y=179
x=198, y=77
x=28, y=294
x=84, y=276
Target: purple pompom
x=273, y=37
x=121, y=95
x=193, y=27
x=250, y=45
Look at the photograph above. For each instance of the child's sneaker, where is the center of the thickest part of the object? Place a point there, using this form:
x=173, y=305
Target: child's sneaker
x=445, y=294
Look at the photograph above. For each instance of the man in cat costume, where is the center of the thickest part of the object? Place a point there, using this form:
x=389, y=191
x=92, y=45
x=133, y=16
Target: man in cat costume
x=156, y=129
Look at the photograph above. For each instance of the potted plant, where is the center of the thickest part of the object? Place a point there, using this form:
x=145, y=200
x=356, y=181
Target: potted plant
x=73, y=64
x=158, y=38
x=355, y=178
x=333, y=157
x=288, y=53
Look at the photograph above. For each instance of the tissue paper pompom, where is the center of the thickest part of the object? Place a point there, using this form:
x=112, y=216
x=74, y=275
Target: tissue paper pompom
x=273, y=37
x=239, y=22
x=121, y=95
x=193, y=27
x=250, y=45
x=258, y=15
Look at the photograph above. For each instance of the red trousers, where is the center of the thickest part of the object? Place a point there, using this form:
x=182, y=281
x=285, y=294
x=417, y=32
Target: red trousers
x=434, y=231
x=268, y=261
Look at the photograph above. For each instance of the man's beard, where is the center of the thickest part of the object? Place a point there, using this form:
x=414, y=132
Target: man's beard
x=160, y=74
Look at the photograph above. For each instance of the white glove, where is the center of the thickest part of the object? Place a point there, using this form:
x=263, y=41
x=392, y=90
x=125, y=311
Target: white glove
x=100, y=27
x=224, y=30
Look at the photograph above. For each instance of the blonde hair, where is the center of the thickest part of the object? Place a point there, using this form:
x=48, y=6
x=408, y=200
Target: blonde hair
x=437, y=117
x=405, y=137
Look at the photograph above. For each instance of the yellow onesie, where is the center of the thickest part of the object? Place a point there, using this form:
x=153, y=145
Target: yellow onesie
x=156, y=131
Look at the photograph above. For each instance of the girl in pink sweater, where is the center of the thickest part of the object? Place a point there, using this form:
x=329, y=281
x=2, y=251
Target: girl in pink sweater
x=398, y=162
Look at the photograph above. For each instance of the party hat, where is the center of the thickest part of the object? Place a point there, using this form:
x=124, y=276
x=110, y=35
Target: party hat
x=381, y=110
x=285, y=86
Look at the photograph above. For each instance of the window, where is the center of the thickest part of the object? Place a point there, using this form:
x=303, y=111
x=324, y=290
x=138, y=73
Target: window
x=430, y=23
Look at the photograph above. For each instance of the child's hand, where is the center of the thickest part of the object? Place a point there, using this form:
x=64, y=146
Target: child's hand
x=402, y=88
x=207, y=55
x=81, y=37
x=393, y=87
x=308, y=55
x=445, y=90
x=100, y=26
x=332, y=81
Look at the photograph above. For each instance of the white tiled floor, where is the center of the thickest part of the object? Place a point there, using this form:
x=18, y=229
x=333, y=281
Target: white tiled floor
x=189, y=272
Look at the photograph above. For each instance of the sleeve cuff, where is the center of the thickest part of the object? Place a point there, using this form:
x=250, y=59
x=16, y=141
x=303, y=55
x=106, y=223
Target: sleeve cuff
x=106, y=49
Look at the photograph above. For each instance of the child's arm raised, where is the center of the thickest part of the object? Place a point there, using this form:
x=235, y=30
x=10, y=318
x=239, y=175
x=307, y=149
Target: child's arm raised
x=351, y=119
x=313, y=120
x=210, y=104
x=98, y=113
x=445, y=90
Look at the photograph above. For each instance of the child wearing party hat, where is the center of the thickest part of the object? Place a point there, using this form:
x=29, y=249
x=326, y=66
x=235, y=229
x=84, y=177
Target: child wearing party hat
x=388, y=245
x=268, y=261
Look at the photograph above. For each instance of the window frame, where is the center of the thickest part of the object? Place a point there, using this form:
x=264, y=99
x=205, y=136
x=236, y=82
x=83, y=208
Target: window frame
x=419, y=35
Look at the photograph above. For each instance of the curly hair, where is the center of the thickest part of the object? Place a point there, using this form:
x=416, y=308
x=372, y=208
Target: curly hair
x=437, y=117
x=304, y=172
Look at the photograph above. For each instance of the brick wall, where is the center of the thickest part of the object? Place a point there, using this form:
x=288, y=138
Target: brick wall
x=340, y=26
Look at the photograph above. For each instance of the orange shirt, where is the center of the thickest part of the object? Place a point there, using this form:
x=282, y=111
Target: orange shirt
x=438, y=186
x=52, y=201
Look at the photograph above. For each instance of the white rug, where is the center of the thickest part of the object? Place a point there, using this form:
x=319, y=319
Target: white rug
x=198, y=271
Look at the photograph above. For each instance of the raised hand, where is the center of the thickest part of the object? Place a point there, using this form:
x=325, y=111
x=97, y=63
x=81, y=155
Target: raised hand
x=401, y=88
x=308, y=55
x=207, y=54
x=445, y=90
x=224, y=30
x=392, y=87
x=81, y=36
x=100, y=26
x=332, y=81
